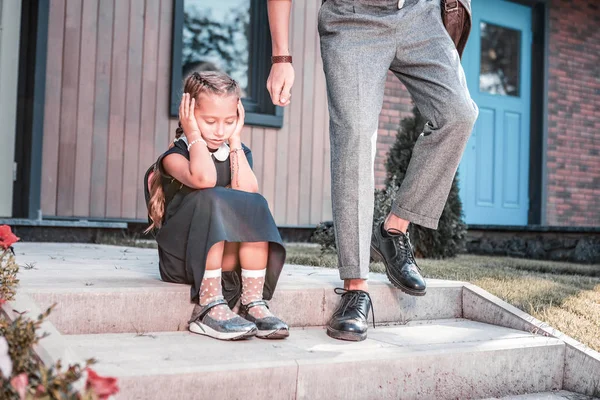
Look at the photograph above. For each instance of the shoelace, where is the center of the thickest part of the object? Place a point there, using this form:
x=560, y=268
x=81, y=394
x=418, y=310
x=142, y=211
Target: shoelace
x=409, y=250
x=405, y=246
x=356, y=299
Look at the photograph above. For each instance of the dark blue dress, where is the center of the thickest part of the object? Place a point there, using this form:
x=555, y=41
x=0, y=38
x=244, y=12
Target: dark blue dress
x=195, y=220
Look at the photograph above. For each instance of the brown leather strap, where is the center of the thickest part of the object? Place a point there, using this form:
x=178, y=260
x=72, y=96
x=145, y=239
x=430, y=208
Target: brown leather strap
x=453, y=16
x=450, y=6
x=281, y=59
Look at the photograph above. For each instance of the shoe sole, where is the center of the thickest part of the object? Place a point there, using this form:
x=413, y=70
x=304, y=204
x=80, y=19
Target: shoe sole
x=377, y=256
x=273, y=334
x=201, y=329
x=348, y=336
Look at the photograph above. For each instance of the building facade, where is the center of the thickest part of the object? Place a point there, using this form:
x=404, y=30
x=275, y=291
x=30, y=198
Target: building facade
x=97, y=84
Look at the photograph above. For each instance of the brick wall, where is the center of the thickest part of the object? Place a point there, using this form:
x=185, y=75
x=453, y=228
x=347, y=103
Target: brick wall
x=397, y=105
x=573, y=158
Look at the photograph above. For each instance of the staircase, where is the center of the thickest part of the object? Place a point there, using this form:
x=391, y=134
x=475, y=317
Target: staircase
x=457, y=342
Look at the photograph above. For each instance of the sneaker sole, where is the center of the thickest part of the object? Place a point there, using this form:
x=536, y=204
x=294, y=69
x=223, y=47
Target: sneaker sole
x=273, y=334
x=377, y=256
x=201, y=329
x=348, y=336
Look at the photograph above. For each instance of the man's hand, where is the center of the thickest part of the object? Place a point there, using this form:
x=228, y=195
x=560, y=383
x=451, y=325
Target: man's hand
x=280, y=82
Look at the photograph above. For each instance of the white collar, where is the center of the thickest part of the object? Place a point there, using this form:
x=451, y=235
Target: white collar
x=221, y=154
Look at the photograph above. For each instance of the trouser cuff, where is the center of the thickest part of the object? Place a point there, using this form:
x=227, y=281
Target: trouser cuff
x=353, y=272
x=422, y=220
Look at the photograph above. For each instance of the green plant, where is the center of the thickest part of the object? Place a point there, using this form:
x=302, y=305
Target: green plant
x=8, y=266
x=325, y=236
x=8, y=276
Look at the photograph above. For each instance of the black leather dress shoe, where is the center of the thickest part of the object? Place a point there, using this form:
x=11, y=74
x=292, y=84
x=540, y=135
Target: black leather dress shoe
x=349, y=320
x=393, y=248
x=269, y=327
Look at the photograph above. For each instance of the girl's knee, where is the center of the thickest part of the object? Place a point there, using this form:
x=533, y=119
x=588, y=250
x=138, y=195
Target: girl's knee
x=231, y=256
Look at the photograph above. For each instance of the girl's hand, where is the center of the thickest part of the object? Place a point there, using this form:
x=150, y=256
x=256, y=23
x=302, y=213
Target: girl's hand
x=187, y=118
x=236, y=138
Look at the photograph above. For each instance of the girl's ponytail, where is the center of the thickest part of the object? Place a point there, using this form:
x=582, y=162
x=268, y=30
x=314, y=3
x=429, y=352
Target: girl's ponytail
x=156, y=205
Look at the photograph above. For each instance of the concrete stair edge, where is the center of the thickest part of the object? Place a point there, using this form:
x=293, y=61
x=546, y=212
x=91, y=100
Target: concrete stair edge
x=309, y=365
x=554, y=395
x=106, y=311
x=582, y=364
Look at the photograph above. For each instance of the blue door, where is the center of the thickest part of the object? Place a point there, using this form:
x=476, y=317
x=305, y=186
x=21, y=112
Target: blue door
x=494, y=171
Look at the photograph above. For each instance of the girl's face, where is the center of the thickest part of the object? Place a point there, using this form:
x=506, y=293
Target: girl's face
x=216, y=116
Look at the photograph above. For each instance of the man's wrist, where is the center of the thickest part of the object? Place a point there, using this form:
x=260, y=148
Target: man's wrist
x=280, y=51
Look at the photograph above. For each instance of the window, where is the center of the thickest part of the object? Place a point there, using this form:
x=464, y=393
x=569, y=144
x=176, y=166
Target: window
x=231, y=36
x=499, y=68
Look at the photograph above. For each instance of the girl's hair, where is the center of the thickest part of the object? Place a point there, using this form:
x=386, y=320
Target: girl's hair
x=196, y=83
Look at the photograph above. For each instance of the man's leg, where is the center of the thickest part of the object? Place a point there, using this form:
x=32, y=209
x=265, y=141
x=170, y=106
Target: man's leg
x=357, y=47
x=429, y=66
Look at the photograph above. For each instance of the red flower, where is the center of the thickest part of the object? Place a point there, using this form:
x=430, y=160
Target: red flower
x=2, y=301
x=20, y=383
x=41, y=390
x=102, y=386
x=7, y=238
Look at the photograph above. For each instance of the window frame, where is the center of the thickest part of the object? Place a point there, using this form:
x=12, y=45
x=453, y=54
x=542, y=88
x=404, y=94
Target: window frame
x=260, y=111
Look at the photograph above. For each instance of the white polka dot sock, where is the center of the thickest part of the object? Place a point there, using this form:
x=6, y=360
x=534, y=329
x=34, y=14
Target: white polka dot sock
x=210, y=290
x=252, y=290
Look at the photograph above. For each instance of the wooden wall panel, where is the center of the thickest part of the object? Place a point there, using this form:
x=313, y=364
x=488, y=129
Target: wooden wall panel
x=116, y=132
x=269, y=161
x=106, y=120
x=52, y=106
x=307, y=135
x=149, y=87
x=294, y=111
x=258, y=139
x=163, y=132
x=133, y=108
x=68, y=113
x=101, y=109
x=85, y=108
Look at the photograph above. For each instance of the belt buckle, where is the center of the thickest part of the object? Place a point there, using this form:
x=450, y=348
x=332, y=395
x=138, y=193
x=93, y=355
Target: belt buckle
x=451, y=6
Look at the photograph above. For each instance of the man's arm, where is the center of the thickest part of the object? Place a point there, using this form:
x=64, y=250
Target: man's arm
x=281, y=78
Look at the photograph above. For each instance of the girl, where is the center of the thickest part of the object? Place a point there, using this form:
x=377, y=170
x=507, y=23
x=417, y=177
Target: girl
x=209, y=219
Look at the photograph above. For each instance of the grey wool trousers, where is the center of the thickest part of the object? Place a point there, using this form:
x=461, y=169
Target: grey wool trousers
x=360, y=41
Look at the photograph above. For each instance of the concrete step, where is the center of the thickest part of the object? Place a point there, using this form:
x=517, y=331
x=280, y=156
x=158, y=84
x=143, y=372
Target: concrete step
x=111, y=289
x=555, y=395
x=445, y=359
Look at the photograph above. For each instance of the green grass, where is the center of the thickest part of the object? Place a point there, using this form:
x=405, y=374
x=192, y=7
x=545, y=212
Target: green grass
x=564, y=295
